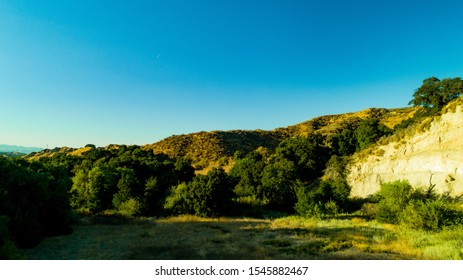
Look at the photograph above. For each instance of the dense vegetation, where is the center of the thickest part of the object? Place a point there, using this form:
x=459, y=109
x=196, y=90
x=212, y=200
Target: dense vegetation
x=303, y=175
x=435, y=94
x=34, y=203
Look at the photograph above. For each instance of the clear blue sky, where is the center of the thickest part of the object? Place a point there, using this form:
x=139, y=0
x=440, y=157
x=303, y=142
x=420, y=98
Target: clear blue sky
x=135, y=72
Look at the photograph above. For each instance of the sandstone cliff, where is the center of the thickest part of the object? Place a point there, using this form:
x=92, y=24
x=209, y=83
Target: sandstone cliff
x=429, y=153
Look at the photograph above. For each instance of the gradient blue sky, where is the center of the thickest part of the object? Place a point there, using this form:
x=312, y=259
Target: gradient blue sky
x=135, y=72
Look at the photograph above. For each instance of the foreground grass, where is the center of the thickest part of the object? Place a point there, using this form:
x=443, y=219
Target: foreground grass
x=189, y=237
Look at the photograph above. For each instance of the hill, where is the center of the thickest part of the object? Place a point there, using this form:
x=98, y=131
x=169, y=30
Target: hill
x=428, y=153
x=214, y=148
x=204, y=148
x=208, y=148
x=18, y=149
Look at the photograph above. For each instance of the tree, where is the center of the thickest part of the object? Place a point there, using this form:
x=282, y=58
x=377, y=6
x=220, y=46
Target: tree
x=308, y=154
x=33, y=201
x=128, y=186
x=434, y=93
x=207, y=195
x=95, y=189
x=322, y=197
x=344, y=143
x=278, y=180
x=247, y=172
x=211, y=195
x=451, y=88
x=368, y=132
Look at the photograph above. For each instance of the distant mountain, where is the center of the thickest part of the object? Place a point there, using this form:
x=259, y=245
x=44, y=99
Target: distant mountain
x=18, y=149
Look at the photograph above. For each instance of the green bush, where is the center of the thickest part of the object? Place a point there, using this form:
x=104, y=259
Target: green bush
x=322, y=198
x=417, y=209
x=207, y=195
x=129, y=208
x=431, y=215
x=34, y=198
x=177, y=201
x=370, y=210
x=395, y=196
x=8, y=250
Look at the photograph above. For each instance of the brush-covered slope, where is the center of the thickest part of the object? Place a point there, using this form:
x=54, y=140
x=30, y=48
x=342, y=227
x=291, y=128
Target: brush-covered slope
x=205, y=148
x=428, y=153
x=331, y=124
x=214, y=148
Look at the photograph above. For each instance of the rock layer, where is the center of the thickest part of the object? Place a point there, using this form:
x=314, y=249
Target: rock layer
x=430, y=154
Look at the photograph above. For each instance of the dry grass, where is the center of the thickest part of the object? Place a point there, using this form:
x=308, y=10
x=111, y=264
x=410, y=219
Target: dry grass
x=189, y=237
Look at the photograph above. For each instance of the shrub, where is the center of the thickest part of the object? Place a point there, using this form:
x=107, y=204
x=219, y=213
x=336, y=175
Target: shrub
x=176, y=202
x=8, y=249
x=322, y=198
x=394, y=198
x=370, y=210
x=431, y=215
x=207, y=195
x=130, y=207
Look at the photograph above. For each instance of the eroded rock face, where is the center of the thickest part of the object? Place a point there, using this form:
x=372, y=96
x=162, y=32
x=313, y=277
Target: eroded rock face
x=432, y=155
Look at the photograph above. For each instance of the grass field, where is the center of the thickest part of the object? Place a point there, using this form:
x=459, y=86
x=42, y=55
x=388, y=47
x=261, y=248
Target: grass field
x=189, y=237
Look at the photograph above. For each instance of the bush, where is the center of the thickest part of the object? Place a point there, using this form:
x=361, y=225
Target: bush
x=177, y=202
x=370, y=210
x=129, y=208
x=322, y=198
x=431, y=215
x=418, y=209
x=207, y=195
x=8, y=250
x=394, y=198
x=34, y=199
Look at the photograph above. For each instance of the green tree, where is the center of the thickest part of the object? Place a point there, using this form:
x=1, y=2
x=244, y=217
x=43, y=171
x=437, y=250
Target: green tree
x=309, y=155
x=278, y=183
x=95, y=189
x=345, y=142
x=211, y=195
x=247, y=172
x=207, y=195
x=433, y=94
x=33, y=201
x=451, y=88
x=368, y=132
x=128, y=187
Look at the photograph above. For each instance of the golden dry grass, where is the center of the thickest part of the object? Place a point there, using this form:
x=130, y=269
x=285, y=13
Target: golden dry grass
x=189, y=237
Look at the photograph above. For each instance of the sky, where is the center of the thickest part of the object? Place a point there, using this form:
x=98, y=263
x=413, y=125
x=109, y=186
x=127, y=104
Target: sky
x=135, y=72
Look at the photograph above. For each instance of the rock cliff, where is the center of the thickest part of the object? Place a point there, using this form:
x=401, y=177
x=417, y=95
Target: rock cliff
x=429, y=153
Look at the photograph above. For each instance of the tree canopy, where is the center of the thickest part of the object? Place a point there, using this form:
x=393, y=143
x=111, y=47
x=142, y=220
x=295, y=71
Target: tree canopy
x=434, y=93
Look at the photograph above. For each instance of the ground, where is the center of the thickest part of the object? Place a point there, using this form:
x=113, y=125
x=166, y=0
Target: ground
x=189, y=237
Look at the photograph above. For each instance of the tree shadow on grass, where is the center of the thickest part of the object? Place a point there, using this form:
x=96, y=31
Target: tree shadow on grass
x=220, y=239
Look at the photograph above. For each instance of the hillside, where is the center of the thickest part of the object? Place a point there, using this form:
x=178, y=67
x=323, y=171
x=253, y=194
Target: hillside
x=215, y=148
x=428, y=153
x=206, y=148
x=331, y=124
